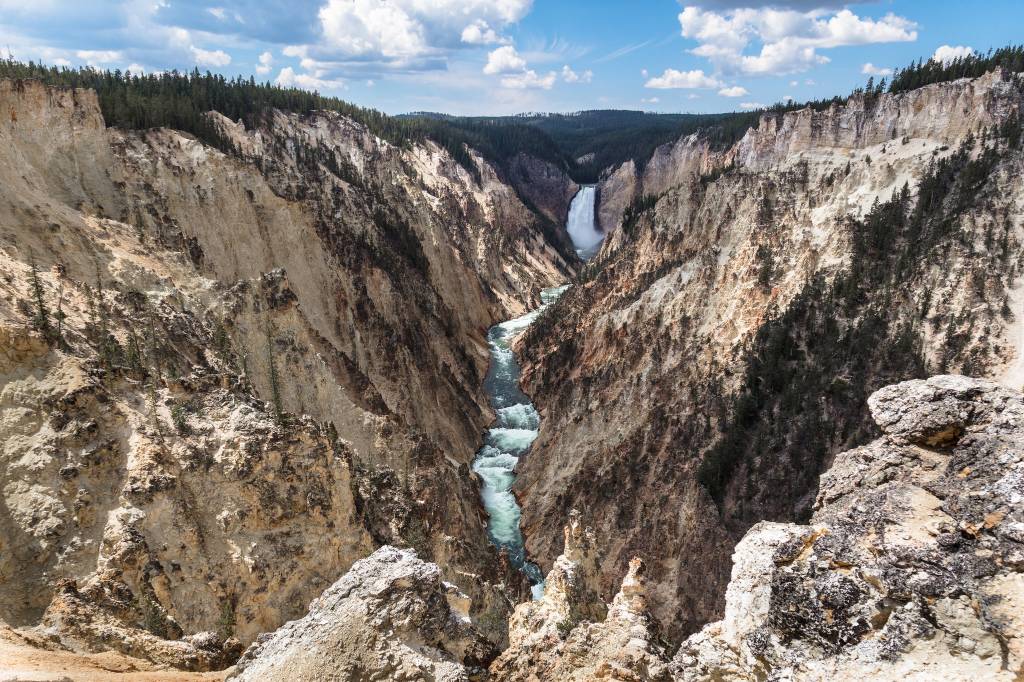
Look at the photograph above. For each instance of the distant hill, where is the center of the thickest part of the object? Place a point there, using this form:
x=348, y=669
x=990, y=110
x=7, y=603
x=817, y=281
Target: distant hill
x=594, y=140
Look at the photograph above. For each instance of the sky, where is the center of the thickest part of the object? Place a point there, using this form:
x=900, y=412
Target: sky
x=484, y=57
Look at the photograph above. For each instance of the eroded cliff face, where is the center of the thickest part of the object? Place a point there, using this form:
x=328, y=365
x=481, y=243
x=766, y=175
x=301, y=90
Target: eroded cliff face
x=167, y=314
x=719, y=351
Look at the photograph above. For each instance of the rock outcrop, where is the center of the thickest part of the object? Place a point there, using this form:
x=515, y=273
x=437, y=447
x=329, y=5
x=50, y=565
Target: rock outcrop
x=390, y=617
x=571, y=634
x=912, y=566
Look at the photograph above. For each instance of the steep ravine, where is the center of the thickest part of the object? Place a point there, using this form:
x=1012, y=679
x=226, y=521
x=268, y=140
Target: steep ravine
x=517, y=422
x=240, y=390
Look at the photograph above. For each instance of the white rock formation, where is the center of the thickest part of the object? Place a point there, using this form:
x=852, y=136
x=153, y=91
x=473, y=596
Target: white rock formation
x=912, y=567
x=391, y=617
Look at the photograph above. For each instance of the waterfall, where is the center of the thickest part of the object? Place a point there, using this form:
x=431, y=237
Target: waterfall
x=581, y=225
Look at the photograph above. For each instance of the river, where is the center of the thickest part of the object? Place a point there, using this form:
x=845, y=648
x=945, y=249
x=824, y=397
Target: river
x=518, y=422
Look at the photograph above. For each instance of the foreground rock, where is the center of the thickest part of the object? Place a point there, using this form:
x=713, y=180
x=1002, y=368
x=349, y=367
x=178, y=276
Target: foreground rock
x=912, y=565
x=389, y=617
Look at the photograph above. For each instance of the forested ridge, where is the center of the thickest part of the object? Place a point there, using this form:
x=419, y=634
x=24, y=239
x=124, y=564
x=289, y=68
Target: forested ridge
x=180, y=101
x=583, y=143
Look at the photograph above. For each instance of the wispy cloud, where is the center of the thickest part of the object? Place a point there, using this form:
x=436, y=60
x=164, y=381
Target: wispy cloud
x=622, y=52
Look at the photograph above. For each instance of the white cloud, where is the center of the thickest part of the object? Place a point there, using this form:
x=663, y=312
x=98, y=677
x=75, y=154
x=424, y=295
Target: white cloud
x=793, y=84
x=570, y=76
x=751, y=105
x=948, y=53
x=364, y=27
x=650, y=100
x=505, y=59
x=870, y=69
x=480, y=33
x=289, y=79
x=401, y=30
x=137, y=69
x=673, y=79
x=217, y=12
x=210, y=57
x=266, y=63
x=790, y=39
x=95, y=57
x=529, y=80
x=787, y=98
x=734, y=91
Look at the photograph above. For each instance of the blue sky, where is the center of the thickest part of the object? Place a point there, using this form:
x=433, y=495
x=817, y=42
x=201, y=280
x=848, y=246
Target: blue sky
x=512, y=56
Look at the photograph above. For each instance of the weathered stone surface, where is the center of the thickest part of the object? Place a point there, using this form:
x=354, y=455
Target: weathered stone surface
x=911, y=567
x=570, y=634
x=390, y=617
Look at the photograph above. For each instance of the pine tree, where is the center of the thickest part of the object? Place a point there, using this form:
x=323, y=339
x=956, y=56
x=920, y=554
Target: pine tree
x=275, y=386
x=41, y=320
x=60, y=304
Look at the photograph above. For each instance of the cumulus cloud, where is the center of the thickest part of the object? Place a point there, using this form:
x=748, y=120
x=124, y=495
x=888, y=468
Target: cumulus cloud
x=673, y=79
x=751, y=105
x=504, y=59
x=210, y=57
x=734, y=91
x=479, y=33
x=790, y=38
x=528, y=80
x=404, y=34
x=97, y=57
x=289, y=79
x=948, y=53
x=570, y=76
x=266, y=63
x=870, y=69
x=217, y=12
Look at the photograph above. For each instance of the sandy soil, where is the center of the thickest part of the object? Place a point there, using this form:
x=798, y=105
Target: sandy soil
x=20, y=661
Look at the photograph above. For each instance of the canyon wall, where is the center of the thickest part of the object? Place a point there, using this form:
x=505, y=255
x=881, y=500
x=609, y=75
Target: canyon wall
x=719, y=351
x=225, y=378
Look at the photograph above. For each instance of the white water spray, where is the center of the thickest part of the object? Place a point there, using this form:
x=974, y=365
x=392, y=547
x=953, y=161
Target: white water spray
x=581, y=225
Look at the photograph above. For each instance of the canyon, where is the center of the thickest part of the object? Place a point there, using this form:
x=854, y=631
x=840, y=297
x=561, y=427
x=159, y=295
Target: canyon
x=719, y=351
x=325, y=406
